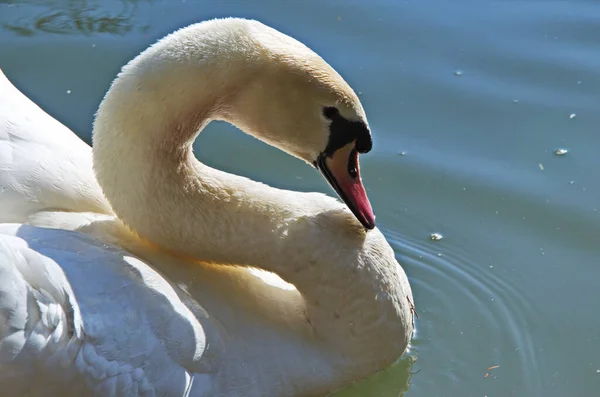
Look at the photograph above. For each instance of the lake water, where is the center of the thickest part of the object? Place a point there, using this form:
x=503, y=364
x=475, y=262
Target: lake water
x=468, y=101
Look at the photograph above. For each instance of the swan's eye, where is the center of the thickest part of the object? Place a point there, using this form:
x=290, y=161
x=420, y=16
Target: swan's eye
x=329, y=112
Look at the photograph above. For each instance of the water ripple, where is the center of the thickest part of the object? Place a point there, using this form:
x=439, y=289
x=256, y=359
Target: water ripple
x=463, y=309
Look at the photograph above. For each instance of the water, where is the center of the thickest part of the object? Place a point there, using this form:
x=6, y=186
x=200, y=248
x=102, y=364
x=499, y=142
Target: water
x=468, y=101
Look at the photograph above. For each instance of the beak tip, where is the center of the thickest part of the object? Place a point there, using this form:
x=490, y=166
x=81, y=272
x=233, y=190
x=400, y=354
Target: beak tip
x=369, y=223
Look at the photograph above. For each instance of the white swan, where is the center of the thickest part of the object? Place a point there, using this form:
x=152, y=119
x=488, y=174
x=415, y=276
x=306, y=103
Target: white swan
x=173, y=307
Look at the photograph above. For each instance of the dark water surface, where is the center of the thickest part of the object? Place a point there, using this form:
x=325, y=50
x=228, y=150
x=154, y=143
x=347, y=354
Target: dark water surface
x=468, y=101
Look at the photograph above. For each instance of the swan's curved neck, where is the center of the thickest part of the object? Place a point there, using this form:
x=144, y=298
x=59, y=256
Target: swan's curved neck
x=144, y=162
x=143, y=159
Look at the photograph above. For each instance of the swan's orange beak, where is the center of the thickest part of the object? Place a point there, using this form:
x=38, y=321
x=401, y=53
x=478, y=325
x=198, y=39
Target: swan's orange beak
x=342, y=171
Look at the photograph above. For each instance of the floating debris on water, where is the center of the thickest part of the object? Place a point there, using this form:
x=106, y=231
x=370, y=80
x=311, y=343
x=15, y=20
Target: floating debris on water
x=541, y=166
x=436, y=236
x=68, y=91
x=515, y=101
x=571, y=182
x=560, y=151
x=489, y=369
x=572, y=115
x=458, y=73
x=402, y=153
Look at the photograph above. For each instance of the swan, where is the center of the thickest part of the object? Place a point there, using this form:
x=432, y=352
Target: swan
x=130, y=268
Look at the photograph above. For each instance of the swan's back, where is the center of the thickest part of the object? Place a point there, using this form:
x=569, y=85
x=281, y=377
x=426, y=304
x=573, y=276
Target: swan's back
x=43, y=165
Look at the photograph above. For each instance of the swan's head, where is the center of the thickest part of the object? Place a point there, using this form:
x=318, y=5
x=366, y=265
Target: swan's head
x=295, y=101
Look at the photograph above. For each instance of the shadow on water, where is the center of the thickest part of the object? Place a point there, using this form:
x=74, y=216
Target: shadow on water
x=77, y=17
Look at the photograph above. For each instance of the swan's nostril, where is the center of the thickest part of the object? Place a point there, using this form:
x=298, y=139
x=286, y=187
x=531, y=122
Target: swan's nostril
x=353, y=164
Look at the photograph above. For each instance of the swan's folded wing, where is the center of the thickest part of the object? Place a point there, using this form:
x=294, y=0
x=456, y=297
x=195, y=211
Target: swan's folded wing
x=43, y=165
x=80, y=317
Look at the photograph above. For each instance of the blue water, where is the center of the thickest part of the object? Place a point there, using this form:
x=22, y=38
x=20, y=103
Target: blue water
x=467, y=101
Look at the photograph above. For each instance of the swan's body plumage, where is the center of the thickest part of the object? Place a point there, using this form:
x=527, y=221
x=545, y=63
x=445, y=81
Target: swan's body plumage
x=89, y=306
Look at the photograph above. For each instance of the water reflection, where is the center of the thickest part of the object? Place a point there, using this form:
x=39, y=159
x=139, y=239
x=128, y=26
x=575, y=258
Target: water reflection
x=77, y=17
x=393, y=382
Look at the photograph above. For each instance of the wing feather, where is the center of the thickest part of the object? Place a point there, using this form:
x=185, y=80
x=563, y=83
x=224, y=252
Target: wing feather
x=82, y=317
